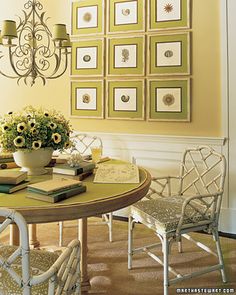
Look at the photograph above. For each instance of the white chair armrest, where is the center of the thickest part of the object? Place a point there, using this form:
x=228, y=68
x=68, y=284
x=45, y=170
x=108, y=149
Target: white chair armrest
x=210, y=208
x=71, y=252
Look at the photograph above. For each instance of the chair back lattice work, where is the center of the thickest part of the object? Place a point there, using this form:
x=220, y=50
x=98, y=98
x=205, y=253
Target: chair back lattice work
x=200, y=182
x=202, y=176
x=82, y=143
x=61, y=278
x=202, y=171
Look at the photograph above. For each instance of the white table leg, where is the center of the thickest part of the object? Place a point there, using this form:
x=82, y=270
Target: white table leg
x=14, y=235
x=34, y=243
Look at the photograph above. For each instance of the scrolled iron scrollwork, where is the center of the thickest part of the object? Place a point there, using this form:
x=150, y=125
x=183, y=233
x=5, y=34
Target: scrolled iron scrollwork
x=36, y=55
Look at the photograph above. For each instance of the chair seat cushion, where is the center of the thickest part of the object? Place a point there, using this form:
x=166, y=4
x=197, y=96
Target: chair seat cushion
x=40, y=261
x=163, y=214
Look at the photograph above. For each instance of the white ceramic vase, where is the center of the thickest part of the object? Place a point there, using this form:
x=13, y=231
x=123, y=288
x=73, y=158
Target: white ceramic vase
x=33, y=161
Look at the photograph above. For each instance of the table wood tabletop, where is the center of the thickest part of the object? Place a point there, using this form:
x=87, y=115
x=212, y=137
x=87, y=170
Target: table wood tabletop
x=98, y=199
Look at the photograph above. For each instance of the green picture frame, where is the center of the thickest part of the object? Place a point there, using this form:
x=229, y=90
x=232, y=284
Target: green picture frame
x=166, y=15
x=169, y=54
x=87, y=99
x=125, y=99
x=87, y=58
x=126, y=16
x=125, y=56
x=87, y=17
x=169, y=99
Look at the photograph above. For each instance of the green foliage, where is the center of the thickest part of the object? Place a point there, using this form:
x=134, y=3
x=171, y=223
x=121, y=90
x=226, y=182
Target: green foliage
x=33, y=129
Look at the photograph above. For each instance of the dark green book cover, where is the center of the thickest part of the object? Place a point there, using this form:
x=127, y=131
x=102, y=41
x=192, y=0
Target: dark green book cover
x=11, y=188
x=6, y=160
x=67, y=169
x=57, y=197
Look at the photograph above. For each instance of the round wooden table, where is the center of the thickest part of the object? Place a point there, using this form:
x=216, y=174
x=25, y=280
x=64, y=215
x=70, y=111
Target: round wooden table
x=99, y=199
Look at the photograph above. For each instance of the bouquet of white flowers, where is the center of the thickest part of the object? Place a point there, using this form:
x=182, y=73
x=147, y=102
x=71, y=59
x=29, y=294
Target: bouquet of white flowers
x=33, y=129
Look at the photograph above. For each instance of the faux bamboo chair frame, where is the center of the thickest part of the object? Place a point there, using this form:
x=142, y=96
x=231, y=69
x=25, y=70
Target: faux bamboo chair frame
x=205, y=189
x=82, y=144
x=63, y=276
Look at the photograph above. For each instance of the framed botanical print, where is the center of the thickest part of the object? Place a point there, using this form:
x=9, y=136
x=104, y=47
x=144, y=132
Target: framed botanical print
x=168, y=14
x=169, y=100
x=87, y=58
x=125, y=99
x=87, y=99
x=126, y=15
x=125, y=56
x=87, y=17
x=169, y=54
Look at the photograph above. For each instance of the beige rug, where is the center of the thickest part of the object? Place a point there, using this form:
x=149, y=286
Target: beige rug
x=108, y=261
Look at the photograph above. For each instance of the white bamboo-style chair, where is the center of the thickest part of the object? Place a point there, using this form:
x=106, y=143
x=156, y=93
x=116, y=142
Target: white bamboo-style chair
x=29, y=272
x=82, y=144
x=195, y=207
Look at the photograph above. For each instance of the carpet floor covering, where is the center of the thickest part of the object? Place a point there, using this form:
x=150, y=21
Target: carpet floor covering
x=108, y=261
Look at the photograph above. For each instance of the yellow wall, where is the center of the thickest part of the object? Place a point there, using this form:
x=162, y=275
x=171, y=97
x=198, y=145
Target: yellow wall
x=205, y=97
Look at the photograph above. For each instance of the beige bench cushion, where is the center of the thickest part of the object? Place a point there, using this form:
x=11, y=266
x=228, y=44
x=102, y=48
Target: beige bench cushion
x=40, y=261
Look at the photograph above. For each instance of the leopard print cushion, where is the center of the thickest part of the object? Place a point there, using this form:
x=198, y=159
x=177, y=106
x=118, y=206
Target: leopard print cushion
x=163, y=214
x=40, y=261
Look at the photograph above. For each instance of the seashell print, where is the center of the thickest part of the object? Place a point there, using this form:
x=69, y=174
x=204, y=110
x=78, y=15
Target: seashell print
x=126, y=12
x=168, y=53
x=86, y=98
x=87, y=17
x=168, y=99
x=86, y=58
x=125, y=55
x=125, y=98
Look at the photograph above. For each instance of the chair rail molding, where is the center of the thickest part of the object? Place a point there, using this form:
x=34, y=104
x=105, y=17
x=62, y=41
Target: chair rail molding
x=161, y=155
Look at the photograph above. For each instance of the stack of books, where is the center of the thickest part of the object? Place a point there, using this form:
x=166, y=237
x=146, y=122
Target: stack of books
x=83, y=170
x=12, y=181
x=7, y=161
x=55, y=190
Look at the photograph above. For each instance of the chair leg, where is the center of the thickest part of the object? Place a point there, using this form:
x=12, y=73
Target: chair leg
x=220, y=256
x=110, y=225
x=60, y=233
x=130, y=241
x=165, y=250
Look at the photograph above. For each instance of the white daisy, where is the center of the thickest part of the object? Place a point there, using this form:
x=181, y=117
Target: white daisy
x=31, y=123
x=21, y=127
x=36, y=144
x=5, y=127
x=19, y=141
x=33, y=131
x=52, y=125
x=67, y=145
x=56, y=137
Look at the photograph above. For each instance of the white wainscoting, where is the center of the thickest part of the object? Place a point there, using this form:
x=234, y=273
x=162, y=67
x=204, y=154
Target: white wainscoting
x=161, y=155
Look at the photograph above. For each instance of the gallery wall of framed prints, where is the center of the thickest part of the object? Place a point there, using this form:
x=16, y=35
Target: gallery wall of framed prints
x=131, y=59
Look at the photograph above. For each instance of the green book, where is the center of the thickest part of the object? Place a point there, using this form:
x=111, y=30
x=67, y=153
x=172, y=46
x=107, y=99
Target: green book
x=6, y=160
x=59, y=196
x=77, y=170
x=11, y=188
x=53, y=186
